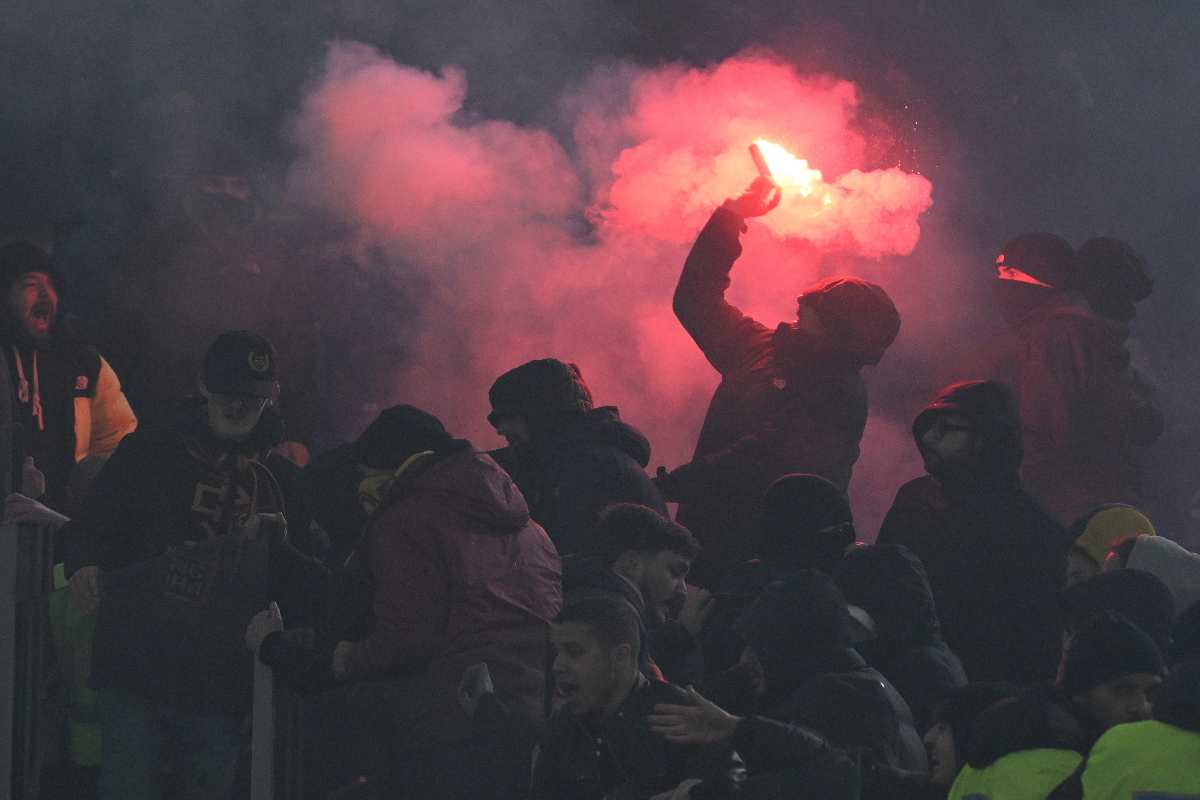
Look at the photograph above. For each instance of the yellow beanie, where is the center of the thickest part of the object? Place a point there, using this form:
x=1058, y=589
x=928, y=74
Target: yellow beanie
x=1106, y=527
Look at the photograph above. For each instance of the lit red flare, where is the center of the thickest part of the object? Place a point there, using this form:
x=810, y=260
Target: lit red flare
x=789, y=172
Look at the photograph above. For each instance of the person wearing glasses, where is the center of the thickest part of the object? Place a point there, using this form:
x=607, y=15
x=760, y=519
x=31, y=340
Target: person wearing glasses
x=995, y=558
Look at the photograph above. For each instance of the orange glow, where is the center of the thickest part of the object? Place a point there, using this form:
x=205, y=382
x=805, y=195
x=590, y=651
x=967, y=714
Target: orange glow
x=790, y=172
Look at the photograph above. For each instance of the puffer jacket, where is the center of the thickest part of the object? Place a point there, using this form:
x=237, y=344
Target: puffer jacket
x=889, y=583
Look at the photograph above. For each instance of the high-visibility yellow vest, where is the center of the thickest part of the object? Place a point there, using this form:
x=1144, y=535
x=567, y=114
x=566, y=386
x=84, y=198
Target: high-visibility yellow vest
x=1023, y=775
x=72, y=634
x=1144, y=761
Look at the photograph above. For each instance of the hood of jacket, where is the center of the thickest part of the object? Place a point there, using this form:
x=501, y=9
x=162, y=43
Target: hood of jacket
x=1039, y=718
x=466, y=480
x=888, y=581
x=604, y=427
x=859, y=318
x=1174, y=565
x=992, y=408
x=1178, y=699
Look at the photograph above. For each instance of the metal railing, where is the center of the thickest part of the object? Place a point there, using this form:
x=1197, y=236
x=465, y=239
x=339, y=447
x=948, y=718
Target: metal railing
x=26, y=580
x=26, y=575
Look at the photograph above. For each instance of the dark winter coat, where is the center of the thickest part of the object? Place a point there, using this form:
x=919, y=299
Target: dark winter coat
x=178, y=580
x=995, y=559
x=619, y=758
x=785, y=761
x=461, y=575
x=1086, y=410
x=596, y=460
x=889, y=583
x=330, y=485
x=857, y=708
x=787, y=402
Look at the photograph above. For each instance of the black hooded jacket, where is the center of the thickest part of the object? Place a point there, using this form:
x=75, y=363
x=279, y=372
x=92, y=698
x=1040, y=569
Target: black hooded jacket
x=788, y=401
x=889, y=583
x=995, y=559
x=799, y=630
x=595, y=460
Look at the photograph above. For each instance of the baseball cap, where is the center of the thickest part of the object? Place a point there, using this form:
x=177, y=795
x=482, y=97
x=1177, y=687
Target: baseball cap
x=240, y=362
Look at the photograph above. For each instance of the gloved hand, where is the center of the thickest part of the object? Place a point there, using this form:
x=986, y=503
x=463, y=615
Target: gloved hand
x=759, y=198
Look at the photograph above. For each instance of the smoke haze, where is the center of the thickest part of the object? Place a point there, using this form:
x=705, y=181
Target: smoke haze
x=534, y=190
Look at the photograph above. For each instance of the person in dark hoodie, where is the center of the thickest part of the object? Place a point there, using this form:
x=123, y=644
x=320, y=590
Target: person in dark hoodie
x=995, y=559
x=802, y=670
x=790, y=399
x=1031, y=745
x=1086, y=410
x=806, y=523
x=68, y=399
x=570, y=459
x=888, y=582
x=180, y=541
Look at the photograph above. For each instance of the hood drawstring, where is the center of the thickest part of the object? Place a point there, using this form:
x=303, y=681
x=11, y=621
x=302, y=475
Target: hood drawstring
x=23, y=387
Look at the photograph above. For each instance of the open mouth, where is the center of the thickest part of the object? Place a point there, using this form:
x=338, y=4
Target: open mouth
x=42, y=312
x=565, y=690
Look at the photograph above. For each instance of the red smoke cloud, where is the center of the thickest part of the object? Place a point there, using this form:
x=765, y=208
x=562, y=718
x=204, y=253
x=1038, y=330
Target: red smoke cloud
x=487, y=213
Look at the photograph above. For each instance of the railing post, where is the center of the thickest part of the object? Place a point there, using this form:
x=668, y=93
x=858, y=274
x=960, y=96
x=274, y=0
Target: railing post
x=8, y=654
x=262, y=737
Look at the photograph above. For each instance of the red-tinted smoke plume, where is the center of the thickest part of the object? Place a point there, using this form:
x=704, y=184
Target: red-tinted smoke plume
x=487, y=214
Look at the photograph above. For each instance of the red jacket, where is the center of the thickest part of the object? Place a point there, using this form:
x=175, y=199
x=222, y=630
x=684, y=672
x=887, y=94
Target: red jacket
x=1085, y=411
x=461, y=575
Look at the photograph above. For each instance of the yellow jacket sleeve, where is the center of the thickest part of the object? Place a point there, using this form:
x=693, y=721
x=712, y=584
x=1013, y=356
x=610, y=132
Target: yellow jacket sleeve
x=104, y=419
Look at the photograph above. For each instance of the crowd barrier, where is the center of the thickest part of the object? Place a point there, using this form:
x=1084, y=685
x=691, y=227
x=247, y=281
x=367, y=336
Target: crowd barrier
x=26, y=582
x=26, y=574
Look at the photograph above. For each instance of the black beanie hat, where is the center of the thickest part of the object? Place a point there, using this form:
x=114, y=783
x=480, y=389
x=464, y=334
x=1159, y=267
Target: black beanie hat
x=798, y=627
x=1110, y=265
x=1106, y=648
x=18, y=258
x=546, y=393
x=806, y=522
x=1132, y=593
x=961, y=705
x=1041, y=256
x=398, y=433
x=858, y=316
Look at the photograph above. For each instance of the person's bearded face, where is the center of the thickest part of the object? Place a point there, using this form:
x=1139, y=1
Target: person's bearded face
x=33, y=305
